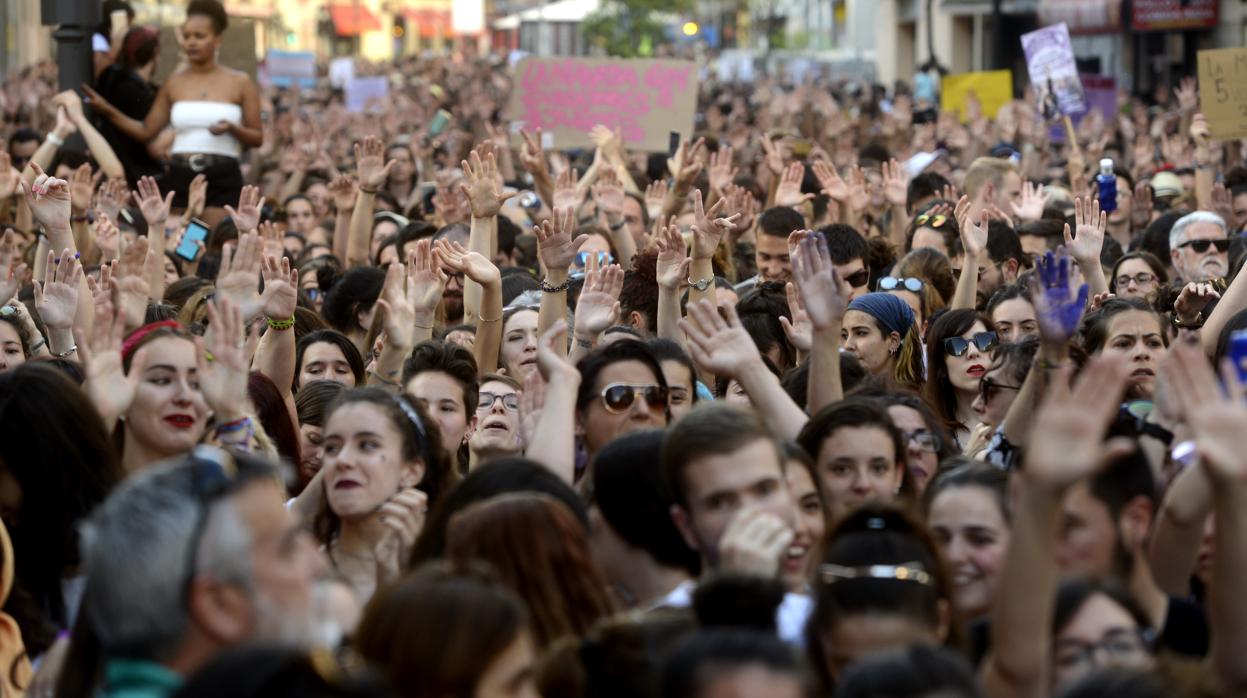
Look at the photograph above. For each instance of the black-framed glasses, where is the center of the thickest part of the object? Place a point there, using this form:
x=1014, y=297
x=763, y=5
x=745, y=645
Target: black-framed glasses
x=934, y=221
x=485, y=401
x=923, y=440
x=859, y=278
x=214, y=473
x=1120, y=646
x=1201, y=246
x=988, y=388
x=618, y=398
x=958, y=346
x=1143, y=278
x=891, y=283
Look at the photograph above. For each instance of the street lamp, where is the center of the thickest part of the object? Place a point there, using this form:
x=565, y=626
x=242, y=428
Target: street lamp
x=77, y=20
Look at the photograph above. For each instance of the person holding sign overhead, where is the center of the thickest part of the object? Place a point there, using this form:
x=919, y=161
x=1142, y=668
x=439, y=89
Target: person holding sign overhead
x=214, y=111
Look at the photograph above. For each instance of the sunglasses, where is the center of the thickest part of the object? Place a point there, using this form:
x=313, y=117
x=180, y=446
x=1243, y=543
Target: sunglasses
x=923, y=439
x=582, y=258
x=935, y=221
x=617, y=398
x=958, y=346
x=486, y=401
x=891, y=283
x=858, y=279
x=988, y=388
x=1201, y=246
x=1143, y=278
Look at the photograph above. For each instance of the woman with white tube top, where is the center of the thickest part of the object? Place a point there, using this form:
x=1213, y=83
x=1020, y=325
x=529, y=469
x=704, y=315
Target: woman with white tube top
x=214, y=112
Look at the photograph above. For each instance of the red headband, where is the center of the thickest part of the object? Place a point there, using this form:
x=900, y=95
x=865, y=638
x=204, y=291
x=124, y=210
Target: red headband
x=132, y=341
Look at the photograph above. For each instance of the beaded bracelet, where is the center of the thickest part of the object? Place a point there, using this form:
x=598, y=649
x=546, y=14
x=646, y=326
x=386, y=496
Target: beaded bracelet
x=281, y=324
x=547, y=288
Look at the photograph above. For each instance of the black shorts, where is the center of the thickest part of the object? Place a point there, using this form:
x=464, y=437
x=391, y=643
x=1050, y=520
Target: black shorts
x=224, y=181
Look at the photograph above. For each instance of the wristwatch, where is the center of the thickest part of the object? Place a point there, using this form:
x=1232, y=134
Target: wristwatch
x=701, y=284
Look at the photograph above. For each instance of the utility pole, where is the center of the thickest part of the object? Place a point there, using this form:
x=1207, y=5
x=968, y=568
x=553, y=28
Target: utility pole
x=76, y=20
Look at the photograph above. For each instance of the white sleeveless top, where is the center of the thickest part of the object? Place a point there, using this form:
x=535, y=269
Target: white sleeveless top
x=191, y=121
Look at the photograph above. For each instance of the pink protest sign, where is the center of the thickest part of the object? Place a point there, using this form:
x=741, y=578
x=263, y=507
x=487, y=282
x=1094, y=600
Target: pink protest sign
x=566, y=97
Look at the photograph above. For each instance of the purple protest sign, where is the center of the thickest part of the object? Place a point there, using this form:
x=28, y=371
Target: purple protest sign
x=1053, y=73
x=1101, y=94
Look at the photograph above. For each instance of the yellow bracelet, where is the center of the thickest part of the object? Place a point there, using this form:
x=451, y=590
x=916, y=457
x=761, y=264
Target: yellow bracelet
x=281, y=324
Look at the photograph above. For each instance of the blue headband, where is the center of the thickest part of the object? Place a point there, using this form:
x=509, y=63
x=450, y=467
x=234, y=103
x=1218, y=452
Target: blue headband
x=891, y=312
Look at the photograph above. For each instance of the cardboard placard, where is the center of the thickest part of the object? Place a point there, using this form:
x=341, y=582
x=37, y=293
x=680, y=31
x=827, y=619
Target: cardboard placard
x=1223, y=91
x=994, y=89
x=1053, y=72
x=566, y=97
x=1101, y=93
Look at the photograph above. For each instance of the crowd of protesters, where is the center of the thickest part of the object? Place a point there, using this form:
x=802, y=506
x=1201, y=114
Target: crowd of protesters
x=846, y=396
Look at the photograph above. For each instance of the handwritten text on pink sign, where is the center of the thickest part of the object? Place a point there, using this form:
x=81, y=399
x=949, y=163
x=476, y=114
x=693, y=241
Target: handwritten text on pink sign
x=575, y=94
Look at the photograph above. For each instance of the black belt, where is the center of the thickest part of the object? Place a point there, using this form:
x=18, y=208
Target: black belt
x=198, y=162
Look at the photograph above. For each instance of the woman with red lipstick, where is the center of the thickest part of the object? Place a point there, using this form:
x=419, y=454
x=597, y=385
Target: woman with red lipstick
x=959, y=348
x=383, y=466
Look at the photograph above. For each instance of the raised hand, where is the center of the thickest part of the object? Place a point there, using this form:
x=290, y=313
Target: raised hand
x=47, y=197
x=343, y=191
x=774, y=158
x=129, y=277
x=532, y=157
x=1216, y=417
x=9, y=176
x=271, y=240
x=708, y=230
x=239, y=276
x=1090, y=225
x=57, y=298
x=673, y=259
x=12, y=269
x=1058, y=306
x=110, y=388
x=721, y=170
x=608, y=193
x=426, y=280
x=82, y=188
x=473, y=265
x=718, y=344
x=1072, y=423
x=400, y=316
x=788, y=193
x=555, y=244
x=1142, y=213
x=552, y=363
x=859, y=196
x=371, y=164
x=1187, y=94
x=281, y=284
x=223, y=380
x=154, y=208
x=1223, y=205
x=610, y=142
x=565, y=192
x=821, y=290
x=1033, y=201
x=110, y=197
x=1194, y=298
x=799, y=329
x=481, y=185
x=973, y=233
x=686, y=164
x=196, y=196
x=740, y=202
x=402, y=519
x=598, y=306
x=107, y=238
x=655, y=196
x=895, y=183
x=831, y=182
x=247, y=215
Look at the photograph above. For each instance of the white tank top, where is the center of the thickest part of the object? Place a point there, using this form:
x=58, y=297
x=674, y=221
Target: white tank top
x=191, y=121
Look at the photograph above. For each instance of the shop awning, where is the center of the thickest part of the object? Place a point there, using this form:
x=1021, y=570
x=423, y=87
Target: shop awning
x=353, y=20
x=429, y=22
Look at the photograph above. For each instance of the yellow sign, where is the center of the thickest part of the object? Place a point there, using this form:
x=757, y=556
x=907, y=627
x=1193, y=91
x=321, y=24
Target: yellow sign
x=1223, y=91
x=994, y=89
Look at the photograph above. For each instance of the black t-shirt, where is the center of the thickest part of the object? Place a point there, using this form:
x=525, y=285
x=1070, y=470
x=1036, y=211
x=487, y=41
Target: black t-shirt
x=134, y=98
x=1186, y=628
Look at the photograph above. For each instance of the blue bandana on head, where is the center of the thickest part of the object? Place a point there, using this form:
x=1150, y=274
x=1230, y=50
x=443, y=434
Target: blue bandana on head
x=891, y=312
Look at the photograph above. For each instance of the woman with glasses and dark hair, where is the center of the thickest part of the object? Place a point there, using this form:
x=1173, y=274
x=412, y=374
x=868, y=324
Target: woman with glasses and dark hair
x=959, y=348
x=622, y=390
x=927, y=443
x=1138, y=274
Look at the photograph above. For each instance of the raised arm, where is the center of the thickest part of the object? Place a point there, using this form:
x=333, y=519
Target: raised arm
x=597, y=308
x=708, y=232
x=345, y=194
x=974, y=250
x=103, y=153
x=557, y=249
x=825, y=296
x=553, y=441
x=373, y=171
x=274, y=357
x=608, y=194
x=1073, y=423
x=481, y=187
x=673, y=269
x=1174, y=547
x=1090, y=226
x=533, y=159
x=721, y=345
x=51, y=145
x=477, y=268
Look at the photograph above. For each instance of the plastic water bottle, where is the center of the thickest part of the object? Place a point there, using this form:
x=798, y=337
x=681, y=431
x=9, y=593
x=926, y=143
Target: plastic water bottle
x=1107, y=183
